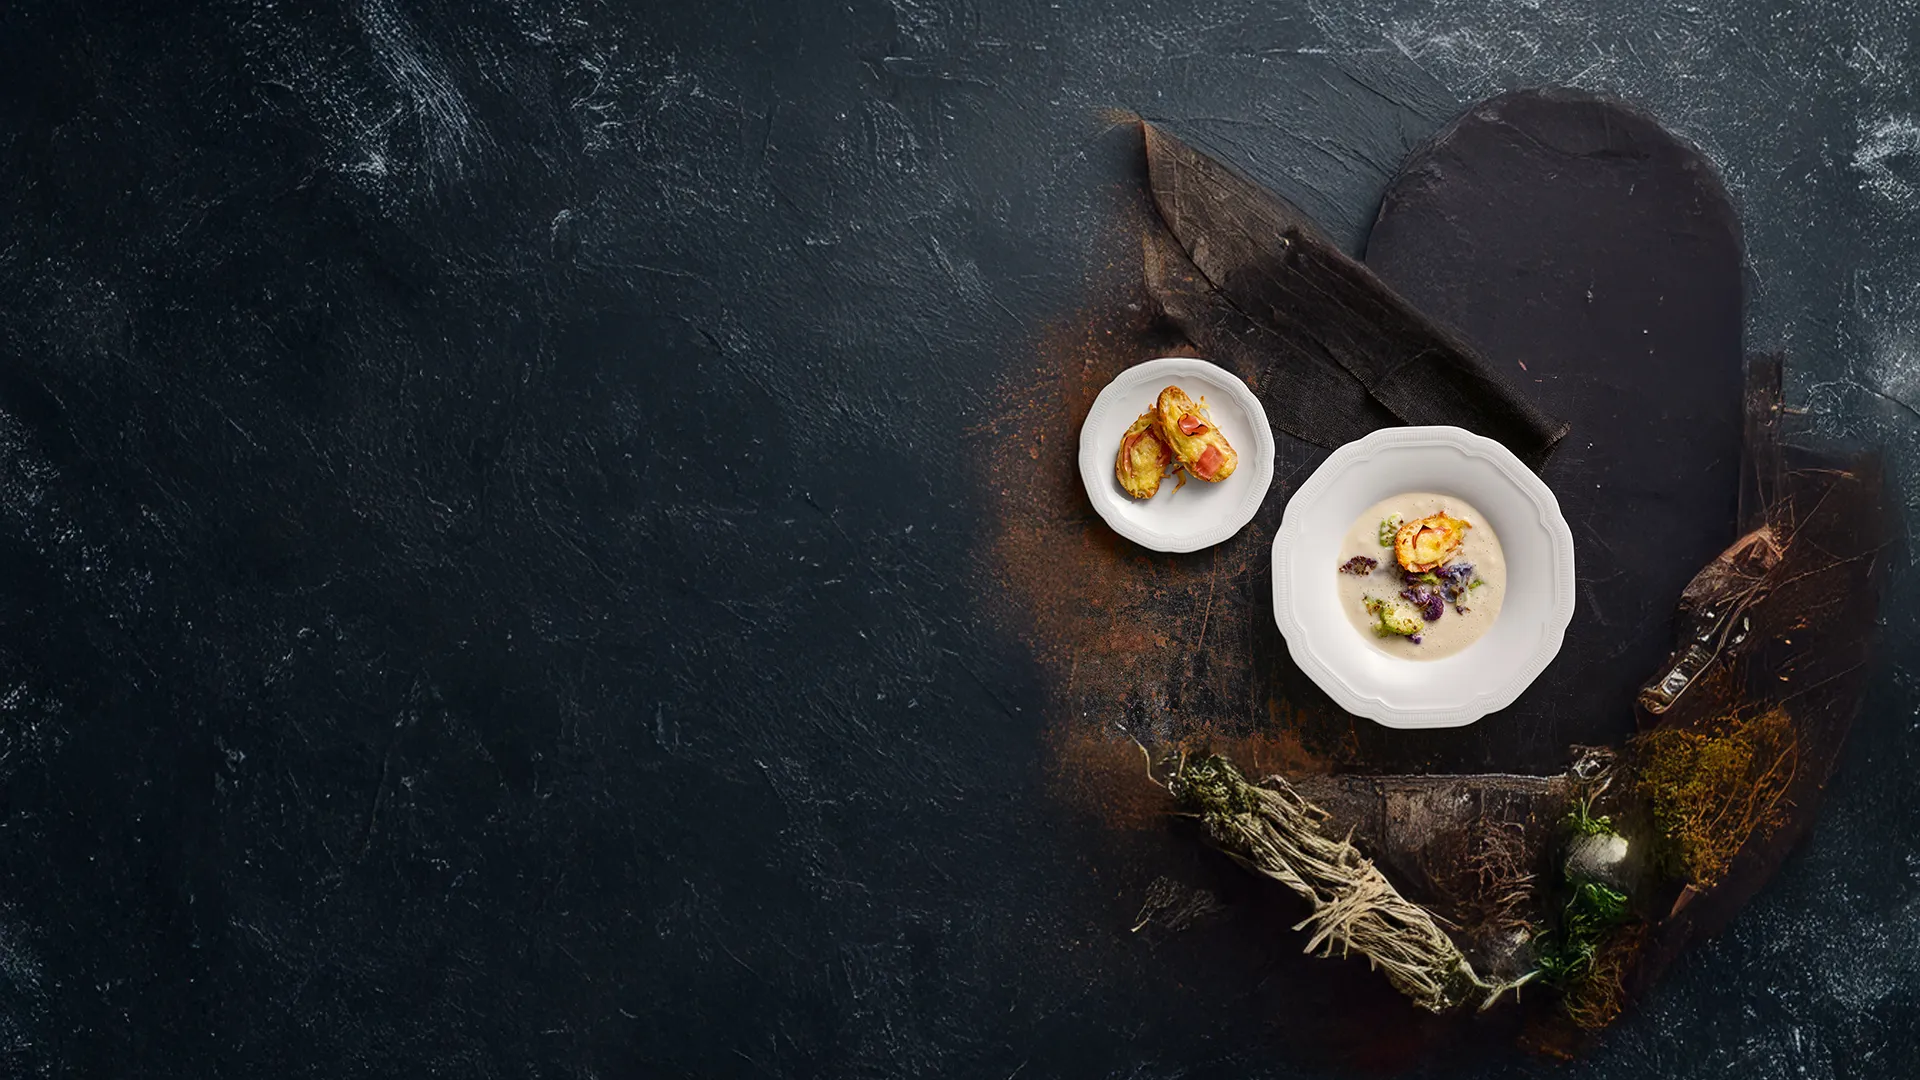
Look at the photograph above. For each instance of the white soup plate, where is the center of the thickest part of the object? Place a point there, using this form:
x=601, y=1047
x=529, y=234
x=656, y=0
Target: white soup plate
x=1485, y=676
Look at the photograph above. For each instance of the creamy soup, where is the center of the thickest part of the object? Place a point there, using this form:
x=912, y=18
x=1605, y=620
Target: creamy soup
x=1469, y=600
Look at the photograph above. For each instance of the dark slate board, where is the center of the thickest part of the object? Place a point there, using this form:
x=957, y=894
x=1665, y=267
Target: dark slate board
x=1596, y=259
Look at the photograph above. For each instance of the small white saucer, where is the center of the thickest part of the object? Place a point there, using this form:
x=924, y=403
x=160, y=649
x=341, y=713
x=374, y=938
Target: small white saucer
x=1200, y=514
x=1482, y=678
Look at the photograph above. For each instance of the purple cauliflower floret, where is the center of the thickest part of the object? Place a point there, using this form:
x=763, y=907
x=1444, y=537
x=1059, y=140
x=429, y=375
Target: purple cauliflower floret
x=1430, y=603
x=1433, y=590
x=1455, y=580
x=1359, y=566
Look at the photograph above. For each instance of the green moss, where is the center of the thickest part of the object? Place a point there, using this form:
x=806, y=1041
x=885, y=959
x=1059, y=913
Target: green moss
x=1709, y=791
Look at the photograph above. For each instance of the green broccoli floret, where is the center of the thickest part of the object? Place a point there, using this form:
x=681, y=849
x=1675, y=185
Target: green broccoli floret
x=1395, y=619
x=1388, y=526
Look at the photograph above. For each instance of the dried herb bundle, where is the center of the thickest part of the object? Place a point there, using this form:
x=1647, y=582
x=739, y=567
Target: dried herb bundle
x=1468, y=846
x=1271, y=830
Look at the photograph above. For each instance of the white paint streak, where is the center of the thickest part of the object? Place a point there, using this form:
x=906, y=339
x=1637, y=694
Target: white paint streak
x=448, y=128
x=1882, y=144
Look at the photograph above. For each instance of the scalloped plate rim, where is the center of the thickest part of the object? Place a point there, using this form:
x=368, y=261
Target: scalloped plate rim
x=1454, y=714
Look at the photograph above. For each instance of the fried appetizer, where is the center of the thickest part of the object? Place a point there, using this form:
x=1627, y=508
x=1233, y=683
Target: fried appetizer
x=1423, y=545
x=1143, y=458
x=1197, y=444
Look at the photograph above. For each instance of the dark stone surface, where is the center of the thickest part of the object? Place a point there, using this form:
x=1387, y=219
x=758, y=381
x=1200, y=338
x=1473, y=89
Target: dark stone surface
x=488, y=551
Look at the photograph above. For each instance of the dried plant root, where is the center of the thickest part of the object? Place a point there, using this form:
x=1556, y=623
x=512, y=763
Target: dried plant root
x=1503, y=892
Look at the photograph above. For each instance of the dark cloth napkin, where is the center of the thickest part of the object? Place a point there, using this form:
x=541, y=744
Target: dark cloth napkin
x=1335, y=351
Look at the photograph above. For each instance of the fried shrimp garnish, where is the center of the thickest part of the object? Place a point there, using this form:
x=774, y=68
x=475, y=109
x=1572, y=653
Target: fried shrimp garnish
x=1423, y=545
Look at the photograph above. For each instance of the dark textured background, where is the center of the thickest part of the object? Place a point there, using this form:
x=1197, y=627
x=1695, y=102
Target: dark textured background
x=487, y=546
